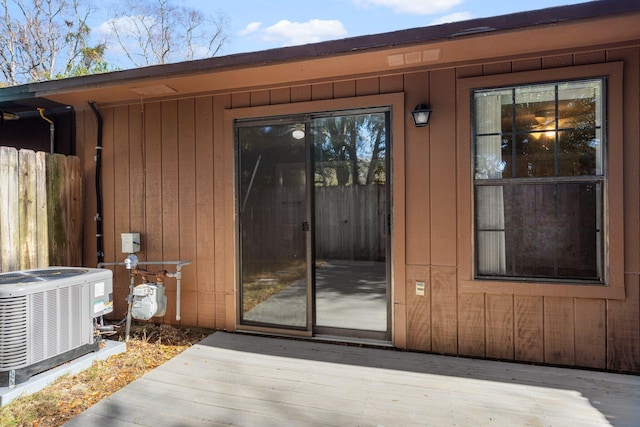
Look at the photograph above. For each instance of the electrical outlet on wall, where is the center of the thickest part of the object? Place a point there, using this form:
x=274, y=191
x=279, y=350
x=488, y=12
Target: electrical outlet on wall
x=420, y=289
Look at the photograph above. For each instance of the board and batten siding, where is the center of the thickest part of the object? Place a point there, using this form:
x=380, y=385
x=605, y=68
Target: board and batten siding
x=168, y=173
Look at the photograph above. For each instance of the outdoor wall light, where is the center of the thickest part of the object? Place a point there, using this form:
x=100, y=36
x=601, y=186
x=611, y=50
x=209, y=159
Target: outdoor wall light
x=298, y=131
x=421, y=115
x=5, y=115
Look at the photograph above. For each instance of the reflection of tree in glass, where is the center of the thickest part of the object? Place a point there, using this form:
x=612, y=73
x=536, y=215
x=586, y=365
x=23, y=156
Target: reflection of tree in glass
x=272, y=145
x=350, y=149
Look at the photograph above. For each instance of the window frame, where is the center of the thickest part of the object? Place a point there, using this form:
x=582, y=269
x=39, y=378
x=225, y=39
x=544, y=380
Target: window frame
x=399, y=120
x=613, y=286
x=521, y=182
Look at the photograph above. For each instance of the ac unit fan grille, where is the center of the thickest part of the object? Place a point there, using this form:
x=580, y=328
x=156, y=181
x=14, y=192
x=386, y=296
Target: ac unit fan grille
x=13, y=334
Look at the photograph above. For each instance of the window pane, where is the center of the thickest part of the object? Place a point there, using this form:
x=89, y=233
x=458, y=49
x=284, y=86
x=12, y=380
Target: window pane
x=535, y=108
x=535, y=155
x=579, y=104
x=550, y=231
x=489, y=110
x=578, y=153
x=349, y=150
x=271, y=168
x=490, y=163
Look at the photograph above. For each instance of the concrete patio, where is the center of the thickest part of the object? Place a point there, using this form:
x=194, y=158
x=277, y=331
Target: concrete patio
x=245, y=380
x=349, y=294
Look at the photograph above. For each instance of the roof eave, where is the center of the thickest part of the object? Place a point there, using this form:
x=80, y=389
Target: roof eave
x=450, y=31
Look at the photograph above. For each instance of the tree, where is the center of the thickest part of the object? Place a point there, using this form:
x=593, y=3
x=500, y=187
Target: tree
x=354, y=145
x=91, y=62
x=153, y=32
x=44, y=39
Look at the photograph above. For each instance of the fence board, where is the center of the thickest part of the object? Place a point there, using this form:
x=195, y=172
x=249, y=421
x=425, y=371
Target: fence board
x=28, y=219
x=57, y=240
x=9, y=212
x=74, y=215
x=42, y=228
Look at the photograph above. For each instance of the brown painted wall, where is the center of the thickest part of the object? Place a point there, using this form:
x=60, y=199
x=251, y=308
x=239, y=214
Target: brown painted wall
x=168, y=173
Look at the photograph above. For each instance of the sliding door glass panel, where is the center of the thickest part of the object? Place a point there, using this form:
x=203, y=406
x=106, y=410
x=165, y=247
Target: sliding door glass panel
x=272, y=206
x=350, y=216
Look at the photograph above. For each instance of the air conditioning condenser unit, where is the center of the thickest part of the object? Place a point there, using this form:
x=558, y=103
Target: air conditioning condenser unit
x=47, y=318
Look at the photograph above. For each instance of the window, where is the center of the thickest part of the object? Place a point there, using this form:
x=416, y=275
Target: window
x=539, y=181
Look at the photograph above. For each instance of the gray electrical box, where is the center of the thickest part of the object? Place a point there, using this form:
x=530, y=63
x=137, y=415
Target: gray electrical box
x=130, y=242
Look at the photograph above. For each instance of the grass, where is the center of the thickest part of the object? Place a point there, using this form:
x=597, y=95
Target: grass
x=149, y=346
x=261, y=284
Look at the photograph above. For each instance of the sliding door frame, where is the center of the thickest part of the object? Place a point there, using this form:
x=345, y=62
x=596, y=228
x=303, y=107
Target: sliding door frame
x=396, y=270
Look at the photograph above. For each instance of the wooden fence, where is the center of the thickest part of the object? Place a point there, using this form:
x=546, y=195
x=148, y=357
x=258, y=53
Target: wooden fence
x=350, y=223
x=41, y=203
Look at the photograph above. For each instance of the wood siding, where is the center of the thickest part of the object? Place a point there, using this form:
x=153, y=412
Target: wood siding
x=168, y=173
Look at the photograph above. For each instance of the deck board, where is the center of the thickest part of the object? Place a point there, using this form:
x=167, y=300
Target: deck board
x=234, y=379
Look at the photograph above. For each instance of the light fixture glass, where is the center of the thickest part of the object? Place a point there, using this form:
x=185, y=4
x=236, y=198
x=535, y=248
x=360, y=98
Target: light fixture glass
x=9, y=116
x=421, y=115
x=298, y=131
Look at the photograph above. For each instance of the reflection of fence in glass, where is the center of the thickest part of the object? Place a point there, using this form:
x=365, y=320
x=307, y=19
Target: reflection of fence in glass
x=272, y=225
x=350, y=222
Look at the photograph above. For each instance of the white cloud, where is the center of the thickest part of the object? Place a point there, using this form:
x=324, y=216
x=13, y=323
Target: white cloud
x=251, y=28
x=419, y=7
x=454, y=17
x=126, y=25
x=289, y=33
x=103, y=30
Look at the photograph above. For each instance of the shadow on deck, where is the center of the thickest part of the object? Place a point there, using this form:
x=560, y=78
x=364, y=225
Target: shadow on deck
x=234, y=379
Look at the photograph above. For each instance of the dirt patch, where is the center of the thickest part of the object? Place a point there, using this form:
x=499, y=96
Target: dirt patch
x=149, y=346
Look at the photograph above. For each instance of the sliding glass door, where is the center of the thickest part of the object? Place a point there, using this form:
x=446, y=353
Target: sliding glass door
x=314, y=223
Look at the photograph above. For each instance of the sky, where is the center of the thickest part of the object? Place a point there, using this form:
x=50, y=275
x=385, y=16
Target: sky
x=256, y=25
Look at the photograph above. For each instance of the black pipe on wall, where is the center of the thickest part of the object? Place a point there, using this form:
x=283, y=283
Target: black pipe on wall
x=98, y=158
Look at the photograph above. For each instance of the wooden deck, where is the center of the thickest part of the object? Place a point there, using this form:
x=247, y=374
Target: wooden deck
x=234, y=379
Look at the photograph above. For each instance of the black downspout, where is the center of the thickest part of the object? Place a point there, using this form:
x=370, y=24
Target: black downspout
x=98, y=159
